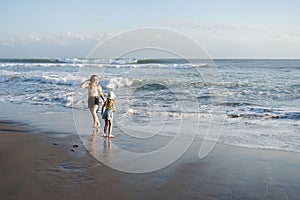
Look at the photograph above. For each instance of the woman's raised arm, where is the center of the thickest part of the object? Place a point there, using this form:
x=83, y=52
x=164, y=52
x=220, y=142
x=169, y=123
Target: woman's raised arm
x=85, y=84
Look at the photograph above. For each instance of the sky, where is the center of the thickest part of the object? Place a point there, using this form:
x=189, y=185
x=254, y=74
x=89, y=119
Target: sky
x=224, y=28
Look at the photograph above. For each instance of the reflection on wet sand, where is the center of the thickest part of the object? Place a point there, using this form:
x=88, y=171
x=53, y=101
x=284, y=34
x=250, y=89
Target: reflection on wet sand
x=95, y=149
x=107, y=149
x=93, y=142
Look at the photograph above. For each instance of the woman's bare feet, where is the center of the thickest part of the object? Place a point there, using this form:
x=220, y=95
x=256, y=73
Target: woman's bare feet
x=97, y=125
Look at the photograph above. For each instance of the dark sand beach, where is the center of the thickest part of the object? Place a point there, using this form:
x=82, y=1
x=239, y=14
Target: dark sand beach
x=36, y=166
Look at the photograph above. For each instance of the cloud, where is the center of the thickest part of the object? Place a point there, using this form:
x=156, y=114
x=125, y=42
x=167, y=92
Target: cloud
x=99, y=19
x=62, y=44
x=63, y=38
x=70, y=35
x=9, y=40
x=23, y=40
x=6, y=40
x=285, y=37
x=217, y=27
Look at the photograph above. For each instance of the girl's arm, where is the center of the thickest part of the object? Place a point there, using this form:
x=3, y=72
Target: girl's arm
x=85, y=84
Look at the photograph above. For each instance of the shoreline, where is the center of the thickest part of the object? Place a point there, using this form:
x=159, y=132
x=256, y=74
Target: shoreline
x=36, y=166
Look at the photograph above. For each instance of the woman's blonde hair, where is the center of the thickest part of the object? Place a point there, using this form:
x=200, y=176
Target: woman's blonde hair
x=92, y=79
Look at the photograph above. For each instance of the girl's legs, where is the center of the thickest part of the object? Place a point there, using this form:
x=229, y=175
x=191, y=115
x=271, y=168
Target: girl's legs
x=105, y=128
x=95, y=117
x=110, y=128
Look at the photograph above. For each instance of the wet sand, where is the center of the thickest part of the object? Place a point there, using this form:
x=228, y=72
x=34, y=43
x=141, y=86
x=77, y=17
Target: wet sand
x=36, y=166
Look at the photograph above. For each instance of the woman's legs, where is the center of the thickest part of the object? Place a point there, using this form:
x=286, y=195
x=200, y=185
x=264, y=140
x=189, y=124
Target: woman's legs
x=95, y=117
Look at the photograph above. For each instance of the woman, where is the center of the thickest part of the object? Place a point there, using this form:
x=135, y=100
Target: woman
x=94, y=90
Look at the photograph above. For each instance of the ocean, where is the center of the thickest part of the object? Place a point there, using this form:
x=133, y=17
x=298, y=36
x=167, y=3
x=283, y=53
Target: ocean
x=251, y=103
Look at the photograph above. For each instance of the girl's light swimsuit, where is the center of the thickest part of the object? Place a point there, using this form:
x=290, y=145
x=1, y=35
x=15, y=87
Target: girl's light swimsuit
x=108, y=113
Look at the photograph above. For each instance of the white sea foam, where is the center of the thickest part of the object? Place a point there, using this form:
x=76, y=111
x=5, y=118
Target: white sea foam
x=261, y=103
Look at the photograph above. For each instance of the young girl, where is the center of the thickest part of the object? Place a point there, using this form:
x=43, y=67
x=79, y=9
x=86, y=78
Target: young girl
x=108, y=114
x=94, y=90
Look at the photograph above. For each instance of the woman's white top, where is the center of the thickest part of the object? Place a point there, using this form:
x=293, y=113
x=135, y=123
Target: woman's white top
x=93, y=91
